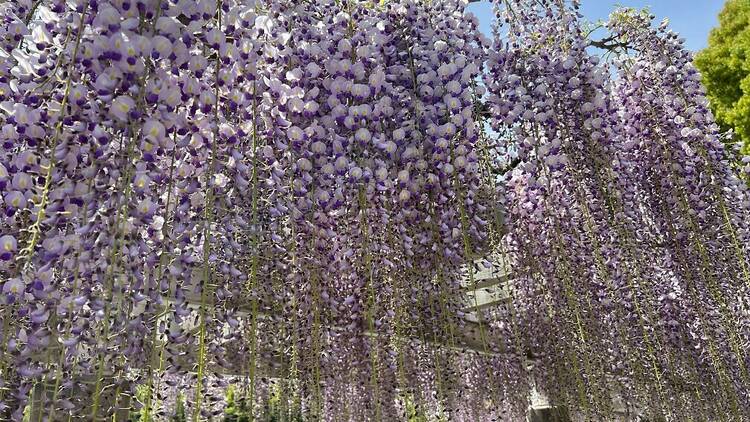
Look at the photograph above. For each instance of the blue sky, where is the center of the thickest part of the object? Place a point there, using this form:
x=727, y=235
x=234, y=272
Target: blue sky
x=693, y=19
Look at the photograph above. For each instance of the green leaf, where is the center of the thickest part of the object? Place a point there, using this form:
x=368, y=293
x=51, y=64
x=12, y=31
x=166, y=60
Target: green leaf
x=725, y=66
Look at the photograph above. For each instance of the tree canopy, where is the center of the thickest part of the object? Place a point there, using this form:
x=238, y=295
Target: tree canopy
x=725, y=65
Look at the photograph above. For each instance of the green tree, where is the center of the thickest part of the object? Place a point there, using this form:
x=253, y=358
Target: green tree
x=725, y=66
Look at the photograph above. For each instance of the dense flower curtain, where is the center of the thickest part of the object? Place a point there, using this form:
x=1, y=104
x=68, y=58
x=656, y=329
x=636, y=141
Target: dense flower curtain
x=628, y=228
x=292, y=197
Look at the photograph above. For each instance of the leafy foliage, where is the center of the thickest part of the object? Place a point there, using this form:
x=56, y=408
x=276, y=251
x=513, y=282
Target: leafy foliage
x=413, y=412
x=179, y=409
x=725, y=65
x=138, y=414
x=236, y=409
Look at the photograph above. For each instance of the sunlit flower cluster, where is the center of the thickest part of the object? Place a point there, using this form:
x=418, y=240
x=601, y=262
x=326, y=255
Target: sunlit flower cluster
x=257, y=188
x=627, y=223
x=295, y=196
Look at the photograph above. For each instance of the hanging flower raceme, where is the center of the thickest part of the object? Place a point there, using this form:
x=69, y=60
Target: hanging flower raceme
x=185, y=181
x=607, y=257
x=702, y=204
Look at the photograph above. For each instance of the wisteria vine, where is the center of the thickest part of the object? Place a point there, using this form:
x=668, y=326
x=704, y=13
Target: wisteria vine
x=294, y=196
